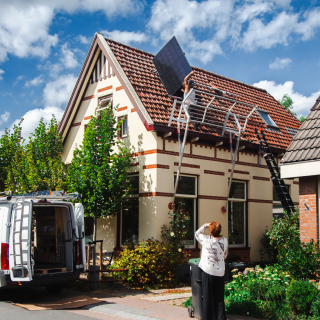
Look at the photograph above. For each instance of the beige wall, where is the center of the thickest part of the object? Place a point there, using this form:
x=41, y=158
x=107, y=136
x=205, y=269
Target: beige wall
x=160, y=181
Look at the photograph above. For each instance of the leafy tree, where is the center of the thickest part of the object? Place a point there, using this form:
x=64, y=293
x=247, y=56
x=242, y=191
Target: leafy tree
x=38, y=163
x=302, y=118
x=287, y=102
x=43, y=152
x=12, y=159
x=99, y=167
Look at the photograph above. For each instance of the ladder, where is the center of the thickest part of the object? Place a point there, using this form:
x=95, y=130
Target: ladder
x=21, y=239
x=278, y=183
x=213, y=110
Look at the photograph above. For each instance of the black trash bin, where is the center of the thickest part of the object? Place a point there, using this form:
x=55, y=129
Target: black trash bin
x=196, y=287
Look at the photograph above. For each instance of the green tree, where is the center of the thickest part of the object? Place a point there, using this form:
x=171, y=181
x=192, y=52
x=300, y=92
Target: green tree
x=287, y=103
x=38, y=163
x=12, y=159
x=99, y=167
x=302, y=118
x=45, y=168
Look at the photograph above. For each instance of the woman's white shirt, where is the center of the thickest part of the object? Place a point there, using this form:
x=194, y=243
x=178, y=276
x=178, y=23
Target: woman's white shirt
x=214, y=252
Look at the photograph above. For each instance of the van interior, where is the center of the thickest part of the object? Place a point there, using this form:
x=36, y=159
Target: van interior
x=52, y=239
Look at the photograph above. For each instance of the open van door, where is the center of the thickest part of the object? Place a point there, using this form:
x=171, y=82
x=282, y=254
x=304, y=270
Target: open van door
x=20, y=242
x=79, y=217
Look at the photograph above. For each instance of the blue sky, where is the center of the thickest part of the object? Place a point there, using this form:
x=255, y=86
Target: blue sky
x=43, y=43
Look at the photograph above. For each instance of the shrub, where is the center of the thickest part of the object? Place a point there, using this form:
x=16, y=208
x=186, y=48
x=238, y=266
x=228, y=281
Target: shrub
x=300, y=295
x=187, y=303
x=298, y=258
x=272, y=293
x=149, y=263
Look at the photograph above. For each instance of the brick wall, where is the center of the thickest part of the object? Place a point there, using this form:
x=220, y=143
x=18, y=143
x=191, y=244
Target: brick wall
x=308, y=190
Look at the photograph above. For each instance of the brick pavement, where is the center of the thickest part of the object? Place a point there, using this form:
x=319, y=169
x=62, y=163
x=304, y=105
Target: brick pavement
x=132, y=307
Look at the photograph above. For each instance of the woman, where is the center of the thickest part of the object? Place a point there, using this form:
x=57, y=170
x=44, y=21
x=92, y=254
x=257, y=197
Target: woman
x=214, y=252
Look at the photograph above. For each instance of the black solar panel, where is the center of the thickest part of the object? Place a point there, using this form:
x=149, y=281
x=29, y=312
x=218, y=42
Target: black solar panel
x=172, y=66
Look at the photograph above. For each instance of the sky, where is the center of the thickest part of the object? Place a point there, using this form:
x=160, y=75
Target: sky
x=273, y=44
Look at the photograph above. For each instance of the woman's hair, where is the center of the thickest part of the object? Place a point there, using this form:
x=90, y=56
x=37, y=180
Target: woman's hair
x=215, y=228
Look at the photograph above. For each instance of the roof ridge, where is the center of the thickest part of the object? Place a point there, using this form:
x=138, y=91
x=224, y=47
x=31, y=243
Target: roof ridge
x=237, y=81
x=203, y=70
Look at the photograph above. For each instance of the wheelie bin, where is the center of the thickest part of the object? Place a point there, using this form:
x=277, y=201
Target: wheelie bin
x=196, y=286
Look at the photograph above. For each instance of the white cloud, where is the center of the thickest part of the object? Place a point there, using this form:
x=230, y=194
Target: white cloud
x=126, y=37
x=301, y=104
x=68, y=58
x=4, y=117
x=280, y=63
x=53, y=68
x=34, y=82
x=1, y=73
x=24, y=25
x=17, y=80
x=246, y=24
x=32, y=118
x=58, y=92
x=84, y=40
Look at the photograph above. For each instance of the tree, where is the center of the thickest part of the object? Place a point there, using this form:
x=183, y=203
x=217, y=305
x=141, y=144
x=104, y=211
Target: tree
x=45, y=168
x=302, y=118
x=12, y=159
x=287, y=102
x=22, y=167
x=99, y=167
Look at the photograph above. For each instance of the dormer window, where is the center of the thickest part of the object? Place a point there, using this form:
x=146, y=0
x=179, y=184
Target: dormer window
x=267, y=119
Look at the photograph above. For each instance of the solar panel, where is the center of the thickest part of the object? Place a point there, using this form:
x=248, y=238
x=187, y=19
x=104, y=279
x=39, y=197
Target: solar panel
x=172, y=66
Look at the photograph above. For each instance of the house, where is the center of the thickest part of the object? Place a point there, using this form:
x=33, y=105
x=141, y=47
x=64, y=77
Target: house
x=114, y=72
x=302, y=160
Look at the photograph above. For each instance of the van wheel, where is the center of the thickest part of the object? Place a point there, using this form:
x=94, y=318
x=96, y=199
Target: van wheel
x=55, y=288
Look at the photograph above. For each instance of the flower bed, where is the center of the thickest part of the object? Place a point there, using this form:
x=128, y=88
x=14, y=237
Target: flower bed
x=271, y=293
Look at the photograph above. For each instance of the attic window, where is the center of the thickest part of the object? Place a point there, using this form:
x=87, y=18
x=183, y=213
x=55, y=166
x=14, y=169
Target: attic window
x=291, y=131
x=104, y=102
x=267, y=119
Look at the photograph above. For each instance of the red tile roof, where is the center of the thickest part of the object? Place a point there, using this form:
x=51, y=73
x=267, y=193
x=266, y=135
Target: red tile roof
x=142, y=74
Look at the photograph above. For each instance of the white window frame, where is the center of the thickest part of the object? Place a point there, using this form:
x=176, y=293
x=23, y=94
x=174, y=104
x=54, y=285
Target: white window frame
x=195, y=196
x=245, y=210
x=122, y=135
x=273, y=125
x=129, y=196
x=278, y=202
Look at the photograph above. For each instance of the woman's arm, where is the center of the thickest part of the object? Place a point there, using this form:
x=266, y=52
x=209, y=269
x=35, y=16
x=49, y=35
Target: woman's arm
x=199, y=233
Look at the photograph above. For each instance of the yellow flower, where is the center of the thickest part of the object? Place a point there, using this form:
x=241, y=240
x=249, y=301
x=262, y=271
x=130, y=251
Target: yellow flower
x=235, y=276
x=179, y=249
x=287, y=276
x=234, y=270
x=172, y=234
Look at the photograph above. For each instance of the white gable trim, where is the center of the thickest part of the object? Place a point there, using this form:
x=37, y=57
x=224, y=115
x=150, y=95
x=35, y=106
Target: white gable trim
x=300, y=169
x=125, y=81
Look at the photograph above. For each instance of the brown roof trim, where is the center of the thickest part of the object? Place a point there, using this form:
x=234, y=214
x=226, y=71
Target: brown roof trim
x=78, y=85
x=211, y=139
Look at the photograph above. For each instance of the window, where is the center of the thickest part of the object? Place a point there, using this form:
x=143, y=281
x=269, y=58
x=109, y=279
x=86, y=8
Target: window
x=185, y=201
x=266, y=118
x=237, y=213
x=277, y=208
x=130, y=213
x=291, y=131
x=123, y=129
x=104, y=102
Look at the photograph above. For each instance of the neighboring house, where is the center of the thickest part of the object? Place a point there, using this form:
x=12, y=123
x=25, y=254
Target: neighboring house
x=302, y=160
x=126, y=76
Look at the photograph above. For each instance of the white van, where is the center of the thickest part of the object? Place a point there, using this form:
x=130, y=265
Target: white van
x=42, y=240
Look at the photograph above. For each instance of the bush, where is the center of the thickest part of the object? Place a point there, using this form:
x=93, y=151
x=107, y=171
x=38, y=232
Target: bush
x=272, y=293
x=298, y=258
x=149, y=263
x=300, y=295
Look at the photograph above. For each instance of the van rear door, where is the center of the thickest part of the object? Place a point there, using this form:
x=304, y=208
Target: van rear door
x=21, y=267
x=79, y=217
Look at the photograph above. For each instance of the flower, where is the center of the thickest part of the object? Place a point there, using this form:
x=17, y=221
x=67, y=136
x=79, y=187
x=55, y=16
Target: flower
x=172, y=234
x=268, y=278
x=287, y=276
x=229, y=288
x=286, y=282
x=234, y=270
x=179, y=249
x=235, y=276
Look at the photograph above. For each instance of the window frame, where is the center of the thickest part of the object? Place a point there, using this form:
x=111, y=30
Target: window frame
x=274, y=202
x=129, y=196
x=245, y=212
x=121, y=135
x=195, y=197
x=102, y=98
x=273, y=125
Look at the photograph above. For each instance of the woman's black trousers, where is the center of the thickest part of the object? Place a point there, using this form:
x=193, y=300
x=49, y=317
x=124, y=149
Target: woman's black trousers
x=213, y=292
